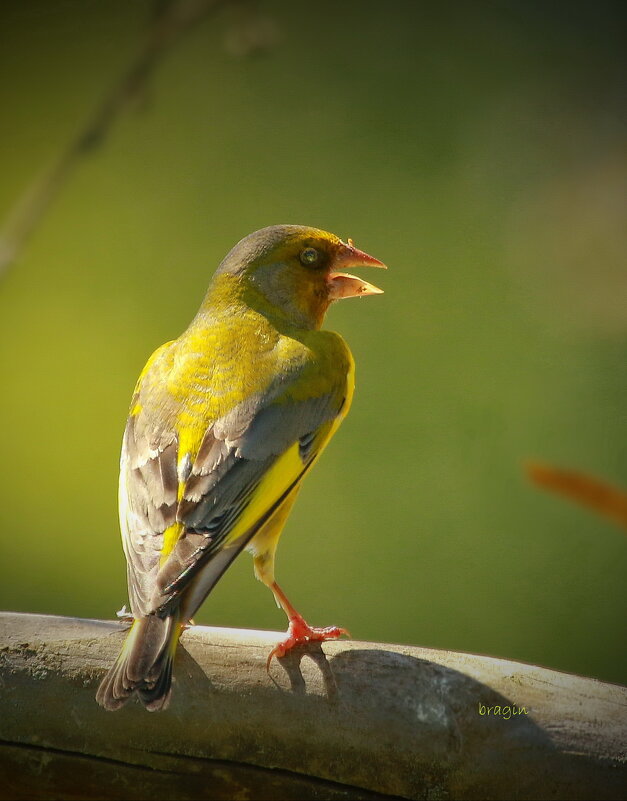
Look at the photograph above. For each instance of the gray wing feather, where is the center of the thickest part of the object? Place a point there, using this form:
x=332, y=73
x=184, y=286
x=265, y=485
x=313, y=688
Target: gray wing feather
x=236, y=452
x=148, y=490
x=280, y=425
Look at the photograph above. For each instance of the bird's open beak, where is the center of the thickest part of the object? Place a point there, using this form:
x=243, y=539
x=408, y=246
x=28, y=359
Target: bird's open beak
x=344, y=285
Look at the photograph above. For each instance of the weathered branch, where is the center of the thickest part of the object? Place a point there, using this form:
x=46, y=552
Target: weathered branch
x=348, y=720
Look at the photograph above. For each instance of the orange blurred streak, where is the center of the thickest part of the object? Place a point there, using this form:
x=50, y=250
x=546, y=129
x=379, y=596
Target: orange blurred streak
x=586, y=490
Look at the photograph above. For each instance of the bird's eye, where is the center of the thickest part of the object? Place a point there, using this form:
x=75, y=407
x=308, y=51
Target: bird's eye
x=308, y=256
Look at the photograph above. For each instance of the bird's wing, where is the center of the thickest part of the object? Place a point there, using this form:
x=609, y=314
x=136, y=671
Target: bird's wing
x=183, y=518
x=148, y=488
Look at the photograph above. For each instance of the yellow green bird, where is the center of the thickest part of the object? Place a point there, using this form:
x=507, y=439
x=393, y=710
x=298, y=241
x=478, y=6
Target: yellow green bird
x=224, y=424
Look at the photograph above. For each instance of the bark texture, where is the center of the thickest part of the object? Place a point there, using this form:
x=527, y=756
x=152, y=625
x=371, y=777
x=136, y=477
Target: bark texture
x=348, y=720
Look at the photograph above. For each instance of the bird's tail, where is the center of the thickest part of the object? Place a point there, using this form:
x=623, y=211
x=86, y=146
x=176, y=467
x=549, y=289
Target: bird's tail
x=144, y=665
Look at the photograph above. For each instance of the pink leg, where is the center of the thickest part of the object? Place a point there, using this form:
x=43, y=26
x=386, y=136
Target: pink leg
x=298, y=631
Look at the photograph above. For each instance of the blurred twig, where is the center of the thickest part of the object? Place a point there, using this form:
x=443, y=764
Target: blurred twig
x=586, y=490
x=171, y=20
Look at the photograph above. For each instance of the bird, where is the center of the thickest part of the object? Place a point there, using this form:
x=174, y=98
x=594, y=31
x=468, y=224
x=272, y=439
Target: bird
x=224, y=424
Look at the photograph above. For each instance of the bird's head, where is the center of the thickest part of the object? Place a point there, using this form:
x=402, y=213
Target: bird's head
x=299, y=270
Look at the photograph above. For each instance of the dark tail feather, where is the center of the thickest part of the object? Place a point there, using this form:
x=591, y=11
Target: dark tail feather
x=144, y=665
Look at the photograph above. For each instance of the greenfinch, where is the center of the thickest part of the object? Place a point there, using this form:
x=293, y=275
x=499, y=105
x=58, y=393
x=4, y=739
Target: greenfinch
x=224, y=424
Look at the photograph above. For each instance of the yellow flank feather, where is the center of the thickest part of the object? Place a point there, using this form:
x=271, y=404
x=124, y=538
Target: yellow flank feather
x=170, y=538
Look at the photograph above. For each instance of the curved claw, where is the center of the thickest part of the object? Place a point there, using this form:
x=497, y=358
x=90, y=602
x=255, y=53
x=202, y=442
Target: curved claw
x=300, y=633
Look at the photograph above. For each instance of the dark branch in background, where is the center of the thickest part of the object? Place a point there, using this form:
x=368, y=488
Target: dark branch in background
x=170, y=21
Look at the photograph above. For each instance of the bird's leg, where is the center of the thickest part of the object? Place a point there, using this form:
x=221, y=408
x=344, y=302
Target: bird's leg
x=298, y=631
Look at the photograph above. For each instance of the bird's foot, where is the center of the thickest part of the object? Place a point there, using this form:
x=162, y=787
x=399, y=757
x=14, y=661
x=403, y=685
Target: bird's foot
x=299, y=632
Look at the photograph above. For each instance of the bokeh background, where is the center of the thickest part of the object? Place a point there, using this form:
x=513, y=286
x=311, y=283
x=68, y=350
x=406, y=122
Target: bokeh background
x=479, y=149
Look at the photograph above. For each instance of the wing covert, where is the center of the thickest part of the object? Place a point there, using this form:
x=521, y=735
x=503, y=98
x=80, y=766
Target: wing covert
x=215, y=508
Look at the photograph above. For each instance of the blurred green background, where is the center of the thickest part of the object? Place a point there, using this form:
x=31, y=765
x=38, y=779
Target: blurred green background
x=477, y=148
